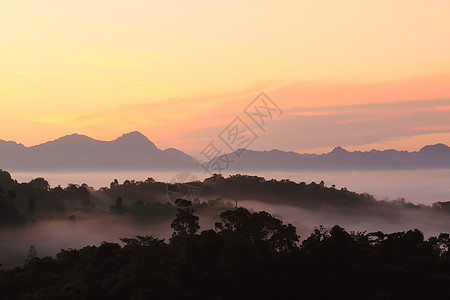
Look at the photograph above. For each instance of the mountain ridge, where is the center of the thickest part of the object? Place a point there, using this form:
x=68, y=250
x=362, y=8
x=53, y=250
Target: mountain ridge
x=134, y=151
x=134, y=134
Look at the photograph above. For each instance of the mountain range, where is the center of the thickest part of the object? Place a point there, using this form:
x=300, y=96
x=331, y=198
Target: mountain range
x=134, y=151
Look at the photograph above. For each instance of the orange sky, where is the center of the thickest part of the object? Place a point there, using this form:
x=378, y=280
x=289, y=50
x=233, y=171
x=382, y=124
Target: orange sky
x=179, y=71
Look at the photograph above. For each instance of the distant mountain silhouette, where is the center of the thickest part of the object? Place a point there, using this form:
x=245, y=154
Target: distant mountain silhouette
x=429, y=157
x=134, y=151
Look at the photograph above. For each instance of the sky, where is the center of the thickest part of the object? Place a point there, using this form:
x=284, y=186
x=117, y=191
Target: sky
x=354, y=73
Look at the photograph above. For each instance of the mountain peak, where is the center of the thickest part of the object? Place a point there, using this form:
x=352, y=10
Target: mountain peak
x=134, y=135
x=74, y=137
x=435, y=148
x=11, y=145
x=73, y=140
x=339, y=149
x=134, y=138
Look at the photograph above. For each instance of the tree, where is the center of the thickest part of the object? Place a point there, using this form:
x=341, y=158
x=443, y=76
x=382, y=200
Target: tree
x=259, y=228
x=143, y=241
x=8, y=213
x=75, y=192
x=39, y=184
x=5, y=177
x=185, y=223
x=119, y=206
x=150, y=180
x=114, y=184
x=31, y=207
x=32, y=253
x=10, y=195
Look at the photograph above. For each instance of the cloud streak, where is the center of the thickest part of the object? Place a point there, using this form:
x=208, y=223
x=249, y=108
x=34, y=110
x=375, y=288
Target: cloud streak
x=317, y=116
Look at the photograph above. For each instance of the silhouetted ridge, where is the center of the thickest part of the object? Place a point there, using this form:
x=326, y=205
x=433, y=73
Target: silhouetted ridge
x=136, y=139
x=134, y=151
x=134, y=136
x=435, y=148
x=131, y=151
x=71, y=140
x=73, y=137
x=339, y=149
x=10, y=145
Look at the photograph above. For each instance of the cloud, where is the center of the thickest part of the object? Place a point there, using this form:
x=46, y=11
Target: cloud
x=316, y=115
x=356, y=125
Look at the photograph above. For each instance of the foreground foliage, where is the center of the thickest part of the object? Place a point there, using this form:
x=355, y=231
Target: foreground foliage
x=248, y=255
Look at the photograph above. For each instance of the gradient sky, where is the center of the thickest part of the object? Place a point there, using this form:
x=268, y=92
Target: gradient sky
x=360, y=74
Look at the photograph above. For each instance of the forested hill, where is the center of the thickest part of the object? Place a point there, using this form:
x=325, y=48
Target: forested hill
x=34, y=199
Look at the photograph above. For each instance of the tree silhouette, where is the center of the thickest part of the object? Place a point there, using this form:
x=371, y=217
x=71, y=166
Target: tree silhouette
x=185, y=222
x=245, y=257
x=32, y=253
x=39, y=184
x=259, y=228
x=119, y=207
x=185, y=225
x=31, y=207
x=114, y=184
x=8, y=213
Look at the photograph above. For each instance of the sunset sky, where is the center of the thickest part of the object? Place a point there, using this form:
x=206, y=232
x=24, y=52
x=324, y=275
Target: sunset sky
x=359, y=74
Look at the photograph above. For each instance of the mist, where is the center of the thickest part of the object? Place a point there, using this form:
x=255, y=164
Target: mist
x=416, y=186
x=50, y=236
x=89, y=228
x=431, y=223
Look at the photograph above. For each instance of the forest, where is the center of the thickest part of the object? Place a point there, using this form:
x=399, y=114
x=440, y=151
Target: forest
x=151, y=200
x=245, y=254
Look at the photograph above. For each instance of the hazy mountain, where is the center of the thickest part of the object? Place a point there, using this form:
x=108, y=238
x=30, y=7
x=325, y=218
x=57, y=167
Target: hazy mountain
x=134, y=151
x=431, y=156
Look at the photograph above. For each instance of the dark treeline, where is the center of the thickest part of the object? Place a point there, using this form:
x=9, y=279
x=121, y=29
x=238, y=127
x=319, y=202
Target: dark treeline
x=247, y=255
x=148, y=200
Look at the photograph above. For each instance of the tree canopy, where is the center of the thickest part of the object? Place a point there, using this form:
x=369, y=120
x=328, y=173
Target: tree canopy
x=248, y=255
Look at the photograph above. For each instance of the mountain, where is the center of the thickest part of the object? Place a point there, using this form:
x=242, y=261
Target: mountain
x=131, y=151
x=134, y=151
x=429, y=157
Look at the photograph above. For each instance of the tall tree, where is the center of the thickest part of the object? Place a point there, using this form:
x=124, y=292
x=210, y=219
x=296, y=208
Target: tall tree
x=31, y=207
x=185, y=223
x=8, y=213
x=119, y=206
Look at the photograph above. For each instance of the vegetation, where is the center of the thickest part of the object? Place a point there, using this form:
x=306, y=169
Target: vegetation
x=248, y=255
x=148, y=200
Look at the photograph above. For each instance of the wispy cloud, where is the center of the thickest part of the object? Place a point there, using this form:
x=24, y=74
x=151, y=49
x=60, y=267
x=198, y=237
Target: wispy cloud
x=312, y=118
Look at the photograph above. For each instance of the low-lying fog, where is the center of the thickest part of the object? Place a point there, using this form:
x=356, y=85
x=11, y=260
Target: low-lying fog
x=431, y=223
x=49, y=236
